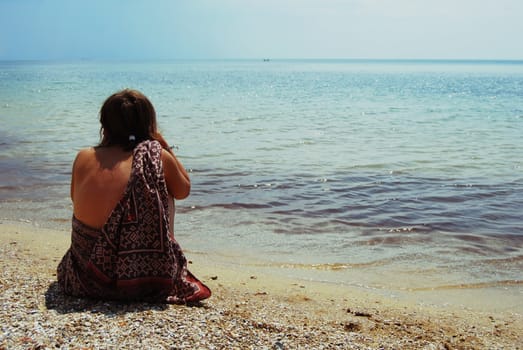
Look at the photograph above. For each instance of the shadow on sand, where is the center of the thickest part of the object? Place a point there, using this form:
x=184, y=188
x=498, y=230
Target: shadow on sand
x=64, y=304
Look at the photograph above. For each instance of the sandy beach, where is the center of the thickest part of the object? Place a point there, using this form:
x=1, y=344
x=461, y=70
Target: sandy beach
x=246, y=311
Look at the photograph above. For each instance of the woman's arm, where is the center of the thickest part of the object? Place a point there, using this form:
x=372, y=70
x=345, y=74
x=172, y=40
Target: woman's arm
x=177, y=178
x=77, y=162
x=72, y=178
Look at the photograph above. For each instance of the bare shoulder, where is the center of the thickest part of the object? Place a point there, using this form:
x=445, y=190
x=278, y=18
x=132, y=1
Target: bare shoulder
x=170, y=161
x=84, y=156
x=166, y=156
x=86, y=151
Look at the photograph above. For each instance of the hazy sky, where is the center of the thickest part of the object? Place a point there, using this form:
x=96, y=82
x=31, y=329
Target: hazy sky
x=165, y=29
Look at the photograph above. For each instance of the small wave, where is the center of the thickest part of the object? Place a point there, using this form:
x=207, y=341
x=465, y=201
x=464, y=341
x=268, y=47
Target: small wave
x=61, y=220
x=480, y=285
x=9, y=188
x=504, y=261
x=324, y=266
x=470, y=238
x=220, y=172
x=230, y=206
x=394, y=240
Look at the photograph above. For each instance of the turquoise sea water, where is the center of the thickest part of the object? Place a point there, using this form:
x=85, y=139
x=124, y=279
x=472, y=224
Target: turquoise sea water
x=339, y=170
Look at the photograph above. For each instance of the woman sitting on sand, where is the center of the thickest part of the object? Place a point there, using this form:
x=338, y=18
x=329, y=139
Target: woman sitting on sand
x=122, y=243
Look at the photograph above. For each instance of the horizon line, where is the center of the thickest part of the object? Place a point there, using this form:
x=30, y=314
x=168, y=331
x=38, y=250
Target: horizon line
x=266, y=59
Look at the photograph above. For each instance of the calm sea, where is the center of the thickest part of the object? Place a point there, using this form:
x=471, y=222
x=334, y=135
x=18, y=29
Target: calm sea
x=341, y=170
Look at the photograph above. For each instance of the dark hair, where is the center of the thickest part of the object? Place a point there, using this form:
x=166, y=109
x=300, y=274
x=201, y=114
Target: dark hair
x=127, y=118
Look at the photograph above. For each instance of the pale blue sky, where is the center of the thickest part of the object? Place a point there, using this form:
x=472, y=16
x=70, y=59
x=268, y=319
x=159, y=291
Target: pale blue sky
x=180, y=29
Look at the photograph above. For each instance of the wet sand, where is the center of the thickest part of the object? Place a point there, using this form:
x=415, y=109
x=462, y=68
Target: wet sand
x=249, y=309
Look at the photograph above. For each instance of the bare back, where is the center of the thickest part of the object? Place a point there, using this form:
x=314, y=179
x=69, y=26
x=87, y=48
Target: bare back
x=100, y=177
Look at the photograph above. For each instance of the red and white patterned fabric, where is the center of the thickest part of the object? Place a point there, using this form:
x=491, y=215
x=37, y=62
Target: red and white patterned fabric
x=133, y=256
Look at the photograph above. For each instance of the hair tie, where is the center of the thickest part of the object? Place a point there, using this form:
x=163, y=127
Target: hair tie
x=132, y=138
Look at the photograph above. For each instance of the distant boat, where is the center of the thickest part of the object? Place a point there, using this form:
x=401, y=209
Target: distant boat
x=266, y=59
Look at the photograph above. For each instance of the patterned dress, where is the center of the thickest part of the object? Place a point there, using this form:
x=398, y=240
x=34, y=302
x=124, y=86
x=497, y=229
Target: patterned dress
x=133, y=256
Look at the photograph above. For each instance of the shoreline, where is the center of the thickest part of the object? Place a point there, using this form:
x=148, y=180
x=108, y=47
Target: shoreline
x=395, y=285
x=248, y=309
